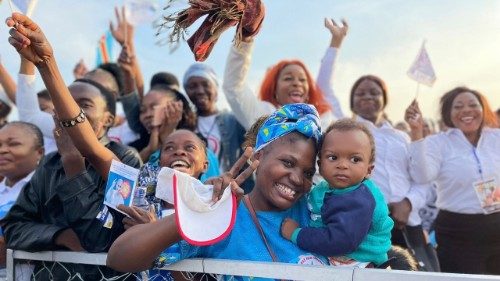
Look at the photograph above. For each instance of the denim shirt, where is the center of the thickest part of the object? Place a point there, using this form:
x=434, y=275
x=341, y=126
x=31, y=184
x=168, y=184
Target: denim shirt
x=232, y=136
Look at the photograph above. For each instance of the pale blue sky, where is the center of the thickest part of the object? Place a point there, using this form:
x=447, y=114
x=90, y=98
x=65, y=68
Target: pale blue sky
x=384, y=37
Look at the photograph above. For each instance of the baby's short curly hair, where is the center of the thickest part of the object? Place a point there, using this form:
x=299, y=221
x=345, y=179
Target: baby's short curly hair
x=346, y=125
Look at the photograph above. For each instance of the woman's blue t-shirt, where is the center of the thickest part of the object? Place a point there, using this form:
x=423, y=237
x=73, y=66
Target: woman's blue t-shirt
x=245, y=243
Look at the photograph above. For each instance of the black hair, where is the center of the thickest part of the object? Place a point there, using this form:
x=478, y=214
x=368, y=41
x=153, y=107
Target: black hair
x=32, y=128
x=108, y=96
x=446, y=102
x=117, y=72
x=375, y=79
x=347, y=125
x=44, y=94
x=401, y=259
x=164, y=78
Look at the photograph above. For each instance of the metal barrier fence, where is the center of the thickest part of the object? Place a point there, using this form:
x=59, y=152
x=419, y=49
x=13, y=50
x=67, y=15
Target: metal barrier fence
x=283, y=271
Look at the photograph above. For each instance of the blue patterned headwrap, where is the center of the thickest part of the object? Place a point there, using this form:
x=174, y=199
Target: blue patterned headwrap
x=295, y=117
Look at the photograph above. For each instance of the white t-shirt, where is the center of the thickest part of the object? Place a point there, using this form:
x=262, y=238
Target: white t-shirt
x=209, y=129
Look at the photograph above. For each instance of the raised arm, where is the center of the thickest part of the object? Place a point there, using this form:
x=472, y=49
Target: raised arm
x=130, y=99
x=244, y=102
x=425, y=154
x=29, y=40
x=7, y=83
x=325, y=75
x=124, y=35
x=27, y=101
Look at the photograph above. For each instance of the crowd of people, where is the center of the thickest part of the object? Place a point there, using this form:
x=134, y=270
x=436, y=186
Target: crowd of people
x=317, y=186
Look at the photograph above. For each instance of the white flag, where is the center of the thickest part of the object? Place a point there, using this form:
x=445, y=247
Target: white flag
x=140, y=11
x=25, y=6
x=421, y=70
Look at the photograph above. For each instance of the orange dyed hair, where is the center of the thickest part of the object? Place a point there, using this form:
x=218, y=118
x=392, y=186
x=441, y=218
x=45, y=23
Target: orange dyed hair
x=268, y=87
x=489, y=118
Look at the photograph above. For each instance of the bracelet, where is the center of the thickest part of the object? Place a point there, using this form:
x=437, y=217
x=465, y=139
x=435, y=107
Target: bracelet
x=80, y=118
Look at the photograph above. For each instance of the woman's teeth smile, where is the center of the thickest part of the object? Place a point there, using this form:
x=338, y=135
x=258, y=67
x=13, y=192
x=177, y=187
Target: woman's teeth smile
x=180, y=165
x=286, y=191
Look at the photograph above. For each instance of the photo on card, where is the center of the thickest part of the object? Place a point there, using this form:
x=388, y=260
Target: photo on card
x=488, y=193
x=120, y=186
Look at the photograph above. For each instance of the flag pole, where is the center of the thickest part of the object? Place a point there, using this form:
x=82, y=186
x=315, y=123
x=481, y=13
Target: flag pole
x=11, y=8
x=418, y=90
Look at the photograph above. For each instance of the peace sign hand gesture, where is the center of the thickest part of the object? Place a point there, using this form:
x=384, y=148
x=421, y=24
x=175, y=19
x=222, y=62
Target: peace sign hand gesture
x=233, y=178
x=124, y=30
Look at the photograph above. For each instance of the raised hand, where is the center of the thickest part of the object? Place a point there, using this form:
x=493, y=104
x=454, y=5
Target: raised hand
x=233, y=178
x=172, y=115
x=338, y=32
x=126, y=60
x=124, y=31
x=165, y=120
x=80, y=69
x=413, y=116
x=28, y=39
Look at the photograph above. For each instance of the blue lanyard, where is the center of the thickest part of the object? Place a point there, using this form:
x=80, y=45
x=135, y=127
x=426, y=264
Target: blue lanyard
x=478, y=162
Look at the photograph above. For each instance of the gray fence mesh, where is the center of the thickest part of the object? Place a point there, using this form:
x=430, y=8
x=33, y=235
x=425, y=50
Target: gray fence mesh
x=25, y=270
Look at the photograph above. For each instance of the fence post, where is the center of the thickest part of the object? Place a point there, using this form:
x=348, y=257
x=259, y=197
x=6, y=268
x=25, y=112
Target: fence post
x=10, y=264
